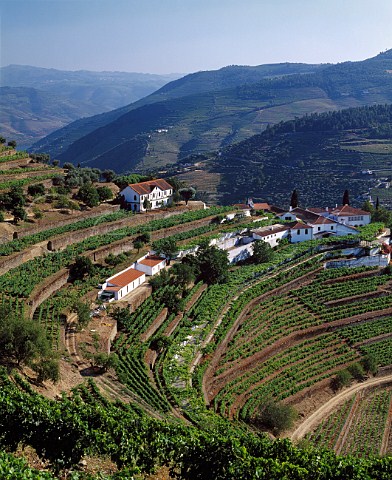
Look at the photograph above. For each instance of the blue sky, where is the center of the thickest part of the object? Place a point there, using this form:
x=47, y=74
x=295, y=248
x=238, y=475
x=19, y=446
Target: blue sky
x=165, y=36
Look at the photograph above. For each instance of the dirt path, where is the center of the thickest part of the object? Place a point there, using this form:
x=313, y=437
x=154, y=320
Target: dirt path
x=328, y=407
x=387, y=432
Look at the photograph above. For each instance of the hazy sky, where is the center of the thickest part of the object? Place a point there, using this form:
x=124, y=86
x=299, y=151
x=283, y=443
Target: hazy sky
x=165, y=36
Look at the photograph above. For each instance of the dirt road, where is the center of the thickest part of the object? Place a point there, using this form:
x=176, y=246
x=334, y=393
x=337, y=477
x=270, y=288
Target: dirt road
x=328, y=407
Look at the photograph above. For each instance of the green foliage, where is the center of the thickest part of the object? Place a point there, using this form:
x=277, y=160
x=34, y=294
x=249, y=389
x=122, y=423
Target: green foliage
x=166, y=246
x=83, y=312
x=19, y=213
x=211, y=265
x=81, y=267
x=342, y=379
x=276, y=417
x=357, y=371
x=89, y=195
x=369, y=364
x=187, y=194
x=36, y=189
x=262, y=252
x=104, y=193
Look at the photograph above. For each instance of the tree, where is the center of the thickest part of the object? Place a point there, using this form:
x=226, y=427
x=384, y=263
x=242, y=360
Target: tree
x=377, y=203
x=83, y=312
x=12, y=143
x=2, y=139
x=341, y=379
x=212, y=264
x=23, y=341
x=147, y=204
x=104, y=193
x=276, y=417
x=370, y=364
x=167, y=247
x=69, y=166
x=160, y=280
x=81, y=267
x=56, y=163
x=137, y=244
x=182, y=274
x=187, y=194
x=36, y=189
x=346, y=198
x=109, y=175
x=47, y=369
x=294, y=199
x=88, y=194
x=262, y=252
x=19, y=213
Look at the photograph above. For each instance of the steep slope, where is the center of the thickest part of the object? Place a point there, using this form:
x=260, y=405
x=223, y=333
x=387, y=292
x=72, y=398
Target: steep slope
x=36, y=101
x=319, y=155
x=190, y=85
x=225, y=107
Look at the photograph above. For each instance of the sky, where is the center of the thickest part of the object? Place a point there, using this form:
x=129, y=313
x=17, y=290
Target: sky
x=184, y=36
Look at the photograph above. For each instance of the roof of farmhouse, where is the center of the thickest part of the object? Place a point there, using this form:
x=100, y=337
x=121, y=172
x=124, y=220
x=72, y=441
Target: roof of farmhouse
x=144, y=188
x=151, y=260
x=125, y=277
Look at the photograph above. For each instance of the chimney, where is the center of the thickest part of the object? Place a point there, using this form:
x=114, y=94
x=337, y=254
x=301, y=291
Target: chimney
x=290, y=208
x=326, y=209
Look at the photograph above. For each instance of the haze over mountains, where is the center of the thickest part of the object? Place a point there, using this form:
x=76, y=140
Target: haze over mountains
x=209, y=110
x=36, y=101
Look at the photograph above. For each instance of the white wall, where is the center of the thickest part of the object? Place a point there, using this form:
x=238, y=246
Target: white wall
x=301, y=234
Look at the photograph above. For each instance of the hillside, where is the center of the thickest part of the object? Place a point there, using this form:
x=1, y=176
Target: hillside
x=193, y=85
x=320, y=155
x=36, y=101
x=173, y=379
x=210, y=110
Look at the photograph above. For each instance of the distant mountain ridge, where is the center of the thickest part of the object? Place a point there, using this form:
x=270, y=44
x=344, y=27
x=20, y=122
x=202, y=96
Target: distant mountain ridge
x=207, y=111
x=36, y=101
x=191, y=85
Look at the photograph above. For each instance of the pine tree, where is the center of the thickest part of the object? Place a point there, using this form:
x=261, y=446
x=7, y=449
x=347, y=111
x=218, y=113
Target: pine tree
x=377, y=203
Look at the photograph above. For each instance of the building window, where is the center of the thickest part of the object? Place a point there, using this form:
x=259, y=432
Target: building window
x=134, y=197
x=306, y=231
x=318, y=229
x=298, y=232
x=332, y=227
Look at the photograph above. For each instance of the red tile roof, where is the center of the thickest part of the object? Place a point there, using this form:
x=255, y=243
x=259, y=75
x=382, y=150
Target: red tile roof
x=346, y=211
x=152, y=260
x=323, y=220
x=261, y=206
x=298, y=226
x=144, y=188
x=124, y=278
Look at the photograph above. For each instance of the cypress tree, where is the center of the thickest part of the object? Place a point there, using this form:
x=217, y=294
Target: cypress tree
x=294, y=199
x=346, y=198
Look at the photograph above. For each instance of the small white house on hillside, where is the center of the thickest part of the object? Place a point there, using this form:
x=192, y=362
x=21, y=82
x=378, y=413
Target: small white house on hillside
x=301, y=232
x=156, y=193
x=272, y=234
x=150, y=264
x=119, y=285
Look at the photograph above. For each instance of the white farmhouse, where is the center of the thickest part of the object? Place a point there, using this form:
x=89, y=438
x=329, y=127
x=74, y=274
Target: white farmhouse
x=119, y=285
x=150, y=264
x=272, y=234
x=157, y=192
x=300, y=232
x=347, y=215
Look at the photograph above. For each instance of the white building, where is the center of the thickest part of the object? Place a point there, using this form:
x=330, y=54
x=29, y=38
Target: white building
x=347, y=215
x=300, y=232
x=272, y=234
x=150, y=264
x=119, y=285
x=157, y=192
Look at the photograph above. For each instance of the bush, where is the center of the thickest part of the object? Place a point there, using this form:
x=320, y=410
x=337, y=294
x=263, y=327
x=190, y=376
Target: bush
x=341, y=379
x=276, y=417
x=356, y=371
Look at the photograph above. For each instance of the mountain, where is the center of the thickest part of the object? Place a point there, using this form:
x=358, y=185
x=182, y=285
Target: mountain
x=36, y=101
x=319, y=155
x=194, y=86
x=207, y=111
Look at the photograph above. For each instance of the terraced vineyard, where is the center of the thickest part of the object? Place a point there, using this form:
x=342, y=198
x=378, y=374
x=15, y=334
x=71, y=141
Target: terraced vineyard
x=277, y=331
x=360, y=426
